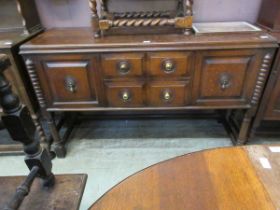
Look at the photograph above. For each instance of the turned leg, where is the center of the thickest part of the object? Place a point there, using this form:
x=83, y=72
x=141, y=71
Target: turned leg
x=94, y=18
x=245, y=127
x=45, y=143
x=247, y=123
x=58, y=144
x=188, y=31
x=20, y=125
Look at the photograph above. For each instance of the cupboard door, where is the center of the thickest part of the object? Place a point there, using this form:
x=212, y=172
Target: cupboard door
x=70, y=80
x=226, y=77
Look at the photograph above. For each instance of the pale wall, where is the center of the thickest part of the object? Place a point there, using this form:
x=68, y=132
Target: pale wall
x=75, y=13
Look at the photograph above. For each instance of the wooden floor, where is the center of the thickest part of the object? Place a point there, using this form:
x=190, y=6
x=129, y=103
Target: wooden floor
x=244, y=178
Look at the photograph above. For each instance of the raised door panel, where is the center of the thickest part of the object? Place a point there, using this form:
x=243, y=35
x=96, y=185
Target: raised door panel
x=70, y=81
x=225, y=77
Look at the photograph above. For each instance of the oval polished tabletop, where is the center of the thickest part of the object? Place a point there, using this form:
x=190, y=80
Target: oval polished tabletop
x=239, y=178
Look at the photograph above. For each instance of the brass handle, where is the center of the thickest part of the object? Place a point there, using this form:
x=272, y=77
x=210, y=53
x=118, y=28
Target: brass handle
x=225, y=81
x=126, y=96
x=167, y=95
x=70, y=84
x=168, y=66
x=123, y=67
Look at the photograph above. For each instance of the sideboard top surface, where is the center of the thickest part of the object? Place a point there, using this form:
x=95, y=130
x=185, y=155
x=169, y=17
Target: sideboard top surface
x=71, y=39
x=276, y=35
x=12, y=38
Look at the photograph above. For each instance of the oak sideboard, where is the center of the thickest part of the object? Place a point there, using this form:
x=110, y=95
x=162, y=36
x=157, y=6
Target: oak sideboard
x=73, y=71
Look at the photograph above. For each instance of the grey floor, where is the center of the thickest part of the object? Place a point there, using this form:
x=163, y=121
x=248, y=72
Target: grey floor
x=111, y=150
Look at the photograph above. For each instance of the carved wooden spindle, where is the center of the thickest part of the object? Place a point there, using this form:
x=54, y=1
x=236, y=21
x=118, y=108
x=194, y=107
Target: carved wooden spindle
x=20, y=126
x=58, y=145
x=188, y=12
x=103, y=8
x=153, y=14
x=182, y=19
x=25, y=31
x=177, y=22
x=189, y=7
x=263, y=74
x=94, y=18
x=41, y=133
x=247, y=120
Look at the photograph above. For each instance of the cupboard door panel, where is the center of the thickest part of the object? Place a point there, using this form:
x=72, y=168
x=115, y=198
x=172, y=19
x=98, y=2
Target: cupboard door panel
x=226, y=77
x=70, y=81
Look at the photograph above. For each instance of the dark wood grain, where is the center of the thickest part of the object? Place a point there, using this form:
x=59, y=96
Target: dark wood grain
x=237, y=68
x=66, y=193
x=111, y=65
x=269, y=177
x=268, y=115
x=71, y=39
x=269, y=16
x=182, y=64
x=228, y=178
x=168, y=93
x=150, y=72
x=20, y=16
x=125, y=94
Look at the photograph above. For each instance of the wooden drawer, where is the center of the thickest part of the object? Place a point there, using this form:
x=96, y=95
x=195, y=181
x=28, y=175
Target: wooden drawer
x=169, y=64
x=125, y=94
x=164, y=94
x=226, y=77
x=122, y=64
x=69, y=81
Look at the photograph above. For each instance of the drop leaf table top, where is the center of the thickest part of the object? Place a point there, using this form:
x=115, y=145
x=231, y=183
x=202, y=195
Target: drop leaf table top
x=244, y=178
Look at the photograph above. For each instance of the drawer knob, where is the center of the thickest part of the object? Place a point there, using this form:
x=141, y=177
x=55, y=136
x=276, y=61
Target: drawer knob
x=126, y=96
x=70, y=84
x=167, y=95
x=168, y=66
x=225, y=81
x=123, y=67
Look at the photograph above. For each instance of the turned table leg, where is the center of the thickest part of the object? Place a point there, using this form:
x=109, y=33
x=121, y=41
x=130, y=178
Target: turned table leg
x=94, y=18
x=241, y=135
x=245, y=127
x=58, y=145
